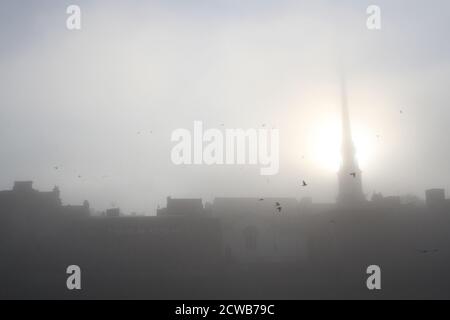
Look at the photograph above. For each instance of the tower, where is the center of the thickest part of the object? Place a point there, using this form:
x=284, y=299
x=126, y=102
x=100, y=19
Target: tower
x=349, y=175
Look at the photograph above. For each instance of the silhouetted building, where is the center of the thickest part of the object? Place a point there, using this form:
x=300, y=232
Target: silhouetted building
x=435, y=198
x=23, y=186
x=82, y=211
x=24, y=200
x=269, y=247
x=113, y=213
x=382, y=202
x=393, y=201
x=23, y=196
x=377, y=197
x=182, y=207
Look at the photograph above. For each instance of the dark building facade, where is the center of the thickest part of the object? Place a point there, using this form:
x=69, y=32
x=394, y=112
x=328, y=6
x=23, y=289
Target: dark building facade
x=182, y=207
x=435, y=198
x=247, y=248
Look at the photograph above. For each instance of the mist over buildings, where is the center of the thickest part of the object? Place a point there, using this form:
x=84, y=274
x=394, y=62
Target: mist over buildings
x=100, y=104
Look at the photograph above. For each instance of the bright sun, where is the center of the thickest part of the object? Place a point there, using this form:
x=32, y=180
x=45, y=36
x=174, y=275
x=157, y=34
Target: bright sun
x=325, y=144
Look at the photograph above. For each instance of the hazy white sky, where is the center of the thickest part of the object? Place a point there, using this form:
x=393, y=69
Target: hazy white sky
x=77, y=99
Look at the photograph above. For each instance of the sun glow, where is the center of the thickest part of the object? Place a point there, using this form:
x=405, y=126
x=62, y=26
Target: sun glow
x=365, y=142
x=325, y=144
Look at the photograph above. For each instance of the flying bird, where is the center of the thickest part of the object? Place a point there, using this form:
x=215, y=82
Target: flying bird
x=261, y=199
x=353, y=174
x=278, y=206
x=304, y=184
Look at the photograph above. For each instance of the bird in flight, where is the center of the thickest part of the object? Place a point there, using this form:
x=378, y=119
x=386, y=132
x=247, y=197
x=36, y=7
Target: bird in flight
x=278, y=206
x=261, y=199
x=353, y=174
x=304, y=184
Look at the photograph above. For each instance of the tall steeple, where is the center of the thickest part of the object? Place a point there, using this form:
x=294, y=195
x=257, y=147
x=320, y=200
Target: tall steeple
x=349, y=175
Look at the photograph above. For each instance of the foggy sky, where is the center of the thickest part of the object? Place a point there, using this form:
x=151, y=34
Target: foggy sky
x=77, y=99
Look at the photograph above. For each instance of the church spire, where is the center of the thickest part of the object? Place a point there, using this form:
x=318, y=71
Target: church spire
x=349, y=176
x=346, y=129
